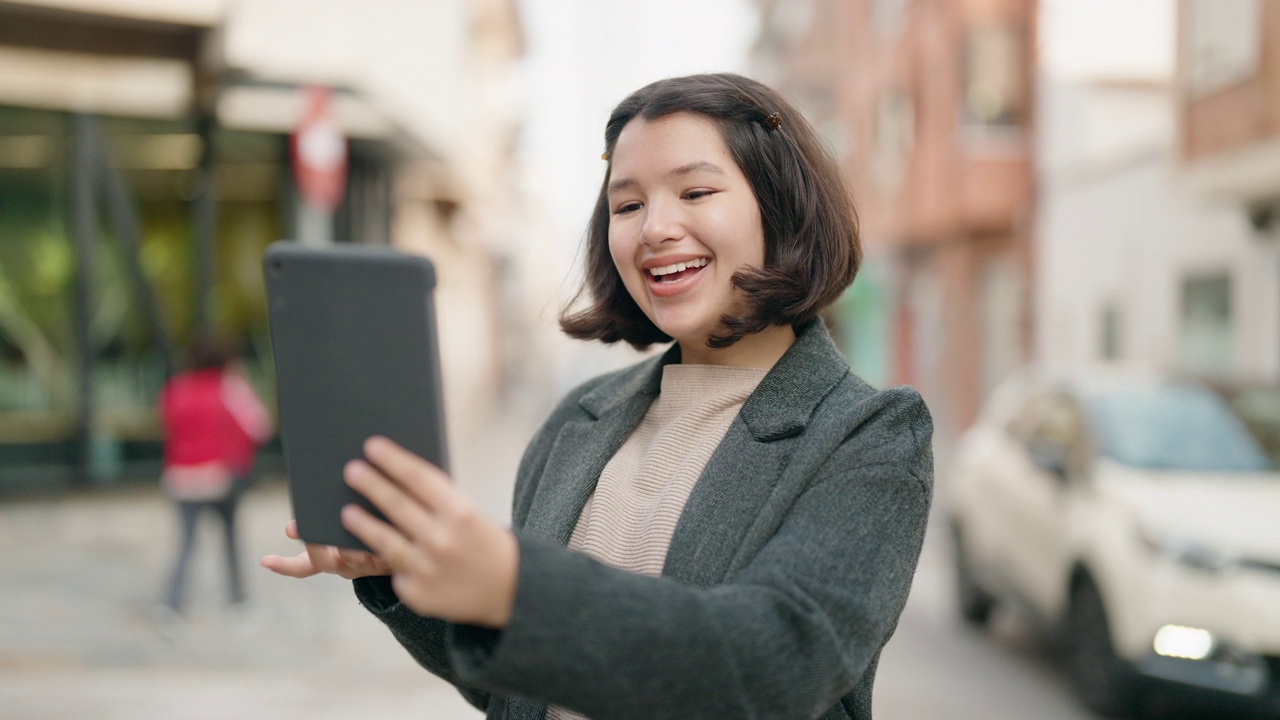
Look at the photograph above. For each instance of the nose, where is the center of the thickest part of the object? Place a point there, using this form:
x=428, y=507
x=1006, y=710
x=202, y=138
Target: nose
x=662, y=223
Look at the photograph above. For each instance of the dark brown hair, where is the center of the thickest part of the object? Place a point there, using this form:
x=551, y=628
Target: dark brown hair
x=812, y=249
x=210, y=352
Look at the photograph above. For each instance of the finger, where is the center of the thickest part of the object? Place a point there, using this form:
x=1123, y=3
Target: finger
x=378, y=566
x=296, y=566
x=350, y=564
x=424, y=481
x=358, y=560
x=333, y=560
x=383, y=539
x=370, y=564
x=291, y=530
x=402, y=509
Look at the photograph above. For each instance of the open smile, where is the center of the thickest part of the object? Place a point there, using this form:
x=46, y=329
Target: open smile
x=674, y=271
x=673, y=278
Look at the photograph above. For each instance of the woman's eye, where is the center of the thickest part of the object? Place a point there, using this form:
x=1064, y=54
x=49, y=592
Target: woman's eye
x=695, y=194
x=626, y=208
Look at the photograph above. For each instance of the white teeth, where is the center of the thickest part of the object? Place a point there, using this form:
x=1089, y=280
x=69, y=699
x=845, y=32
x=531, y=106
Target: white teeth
x=677, y=267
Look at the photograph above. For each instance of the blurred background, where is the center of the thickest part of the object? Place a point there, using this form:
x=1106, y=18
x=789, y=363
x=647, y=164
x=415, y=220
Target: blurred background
x=1058, y=184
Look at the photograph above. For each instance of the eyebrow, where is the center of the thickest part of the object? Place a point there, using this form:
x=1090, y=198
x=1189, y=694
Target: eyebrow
x=699, y=165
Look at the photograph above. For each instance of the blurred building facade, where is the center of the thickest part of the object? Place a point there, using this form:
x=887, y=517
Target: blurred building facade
x=1228, y=149
x=929, y=108
x=1135, y=264
x=144, y=166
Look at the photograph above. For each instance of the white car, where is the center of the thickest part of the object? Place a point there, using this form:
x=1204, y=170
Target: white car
x=1138, y=518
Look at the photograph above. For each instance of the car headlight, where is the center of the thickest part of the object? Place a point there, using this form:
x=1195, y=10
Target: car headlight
x=1180, y=641
x=1185, y=551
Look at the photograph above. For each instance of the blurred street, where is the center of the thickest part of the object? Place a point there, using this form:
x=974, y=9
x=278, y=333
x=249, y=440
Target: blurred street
x=79, y=613
x=82, y=588
x=81, y=620
x=87, y=574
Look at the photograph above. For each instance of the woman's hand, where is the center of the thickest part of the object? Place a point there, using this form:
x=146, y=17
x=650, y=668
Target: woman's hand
x=446, y=559
x=316, y=559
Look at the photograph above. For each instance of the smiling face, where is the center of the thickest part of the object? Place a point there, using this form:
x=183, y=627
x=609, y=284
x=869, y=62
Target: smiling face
x=683, y=219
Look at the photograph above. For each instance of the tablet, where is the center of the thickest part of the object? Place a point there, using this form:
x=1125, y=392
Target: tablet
x=353, y=332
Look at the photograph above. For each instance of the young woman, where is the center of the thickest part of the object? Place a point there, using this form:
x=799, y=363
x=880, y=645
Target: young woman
x=728, y=530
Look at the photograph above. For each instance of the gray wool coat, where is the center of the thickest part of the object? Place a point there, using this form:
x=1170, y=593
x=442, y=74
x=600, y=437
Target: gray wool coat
x=785, y=577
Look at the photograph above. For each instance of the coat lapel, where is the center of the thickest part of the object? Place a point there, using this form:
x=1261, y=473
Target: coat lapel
x=737, y=482
x=734, y=492
x=518, y=708
x=584, y=447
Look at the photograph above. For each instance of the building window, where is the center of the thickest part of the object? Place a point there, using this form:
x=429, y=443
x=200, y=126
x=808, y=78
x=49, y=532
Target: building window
x=1222, y=41
x=140, y=177
x=1206, y=339
x=994, y=92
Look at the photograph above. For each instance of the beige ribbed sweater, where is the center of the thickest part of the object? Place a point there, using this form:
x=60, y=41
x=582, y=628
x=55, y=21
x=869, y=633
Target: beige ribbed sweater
x=629, y=520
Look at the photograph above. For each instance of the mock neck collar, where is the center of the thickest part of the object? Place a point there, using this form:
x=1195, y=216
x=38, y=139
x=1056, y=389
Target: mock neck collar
x=781, y=404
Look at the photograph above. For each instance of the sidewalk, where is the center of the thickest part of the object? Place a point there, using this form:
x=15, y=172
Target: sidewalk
x=80, y=636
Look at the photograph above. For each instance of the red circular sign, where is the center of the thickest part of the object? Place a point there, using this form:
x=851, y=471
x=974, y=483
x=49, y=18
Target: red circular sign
x=319, y=152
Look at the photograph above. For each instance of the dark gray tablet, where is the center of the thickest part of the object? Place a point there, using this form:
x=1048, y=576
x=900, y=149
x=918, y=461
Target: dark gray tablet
x=353, y=331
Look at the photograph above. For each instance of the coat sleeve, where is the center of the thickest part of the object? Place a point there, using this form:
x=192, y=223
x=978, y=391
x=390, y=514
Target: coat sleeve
x=424, y=637
x=786, y=638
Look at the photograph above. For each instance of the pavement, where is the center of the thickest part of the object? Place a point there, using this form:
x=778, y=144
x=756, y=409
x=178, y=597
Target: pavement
x=82, y=634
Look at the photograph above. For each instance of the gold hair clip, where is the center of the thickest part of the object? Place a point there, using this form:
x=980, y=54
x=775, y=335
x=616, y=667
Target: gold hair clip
x=773, y=121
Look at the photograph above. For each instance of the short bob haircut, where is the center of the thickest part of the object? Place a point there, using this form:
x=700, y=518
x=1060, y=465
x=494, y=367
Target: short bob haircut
x=812, y=247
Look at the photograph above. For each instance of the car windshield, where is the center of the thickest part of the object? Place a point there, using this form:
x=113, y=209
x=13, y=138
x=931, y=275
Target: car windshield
x=1174, y=427
x=1259, y=408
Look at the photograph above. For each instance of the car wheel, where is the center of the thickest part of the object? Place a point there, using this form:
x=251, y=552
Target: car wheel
x=974, y=603
x=1105, y=682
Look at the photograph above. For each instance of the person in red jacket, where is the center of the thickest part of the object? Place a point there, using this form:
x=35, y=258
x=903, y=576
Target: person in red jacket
x=213, y=423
